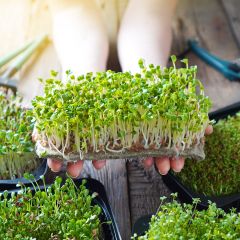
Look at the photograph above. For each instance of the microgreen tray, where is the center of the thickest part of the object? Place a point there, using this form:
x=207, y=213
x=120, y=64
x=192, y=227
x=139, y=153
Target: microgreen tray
x=110, y=230
x=111, y=115
x=11, y=183
x=186, y=194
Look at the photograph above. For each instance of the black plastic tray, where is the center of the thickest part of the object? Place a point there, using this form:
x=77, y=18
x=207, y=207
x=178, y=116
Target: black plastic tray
x=11, y=183
x=186, y=194
x=141, y=225
x=110, y=230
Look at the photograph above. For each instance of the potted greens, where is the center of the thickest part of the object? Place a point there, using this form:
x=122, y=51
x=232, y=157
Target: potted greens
x=110, y=115
x=217, y=177
x=63, y=210
x=176, y=221
x=16, y=146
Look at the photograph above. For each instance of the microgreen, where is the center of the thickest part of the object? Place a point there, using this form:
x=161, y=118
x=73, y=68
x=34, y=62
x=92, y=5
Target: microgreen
x=218, y=174
x=113, y=111
x=62, y=211
x=174, y=221
x=16, y=146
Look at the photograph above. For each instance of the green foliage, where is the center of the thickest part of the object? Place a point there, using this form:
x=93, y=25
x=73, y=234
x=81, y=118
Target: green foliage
x=114, y=110
x=15, y=137
x=59, y=212
x=174, y=221
x=218, y=174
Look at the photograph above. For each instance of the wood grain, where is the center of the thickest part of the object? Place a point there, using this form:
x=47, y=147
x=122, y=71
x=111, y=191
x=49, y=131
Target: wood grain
x=145, y=189
x=114, y=178
x=231, y=8
x=195, y=19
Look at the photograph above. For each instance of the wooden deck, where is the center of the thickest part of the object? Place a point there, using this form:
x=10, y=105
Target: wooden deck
x=132, y=190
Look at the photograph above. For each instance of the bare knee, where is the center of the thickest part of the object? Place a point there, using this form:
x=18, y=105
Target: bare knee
x=145, y=32
x=80, y=36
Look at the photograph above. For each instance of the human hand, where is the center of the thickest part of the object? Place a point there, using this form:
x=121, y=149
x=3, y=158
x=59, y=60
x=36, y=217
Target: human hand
x=164, y=164
x=73, y=168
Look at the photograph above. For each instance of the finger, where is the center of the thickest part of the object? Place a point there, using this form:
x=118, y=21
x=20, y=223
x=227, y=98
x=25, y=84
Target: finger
x=163, y=165
x=148, y=162
x=54, y=164
x=34, y=138
x=74, y=168
x=177, y=163
x=209, y=130
x=98, y=164
x=34, y=135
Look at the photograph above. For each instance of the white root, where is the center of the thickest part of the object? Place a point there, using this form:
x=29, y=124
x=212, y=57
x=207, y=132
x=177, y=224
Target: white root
x=153, y=133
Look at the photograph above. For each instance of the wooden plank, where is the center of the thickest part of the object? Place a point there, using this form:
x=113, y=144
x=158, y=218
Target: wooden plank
x=114, y=177
x=145, y=189
x=206, y=21
x=231, y=8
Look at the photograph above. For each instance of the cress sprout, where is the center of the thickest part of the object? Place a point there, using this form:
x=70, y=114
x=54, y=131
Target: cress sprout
x=218, y=174
x=16, y=147
x=177, y=221
x=117, y=111
x=61, y=211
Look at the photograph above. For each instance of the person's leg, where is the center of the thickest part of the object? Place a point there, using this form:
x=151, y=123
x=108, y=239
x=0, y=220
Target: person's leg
x=81, y=41
x=79, y=35
x=145, y=32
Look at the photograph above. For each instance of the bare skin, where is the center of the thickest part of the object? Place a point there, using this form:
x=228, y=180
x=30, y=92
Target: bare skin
x=145, y=32
x=82, y=45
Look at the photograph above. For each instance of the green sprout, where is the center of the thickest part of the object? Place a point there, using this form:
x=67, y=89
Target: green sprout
x=61, y=211
x=176, y=221
x=117, y=111
x=218, y=174
x=16, y=148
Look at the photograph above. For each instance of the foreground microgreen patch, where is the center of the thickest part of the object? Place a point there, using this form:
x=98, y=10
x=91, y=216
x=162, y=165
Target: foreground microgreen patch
x=117, y=111
x=58, y=212
x=15, y=138
x=174, y=221
x=218, y=174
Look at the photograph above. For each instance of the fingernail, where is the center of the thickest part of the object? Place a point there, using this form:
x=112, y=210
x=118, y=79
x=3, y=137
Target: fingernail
x=163, y=173
x=177, y=170
x=74, y=176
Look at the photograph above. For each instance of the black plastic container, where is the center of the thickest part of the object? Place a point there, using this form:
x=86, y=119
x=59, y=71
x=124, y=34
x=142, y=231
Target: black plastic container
x=141, y=225
x=186, y=194
x=110, y=230
x=11, y=183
